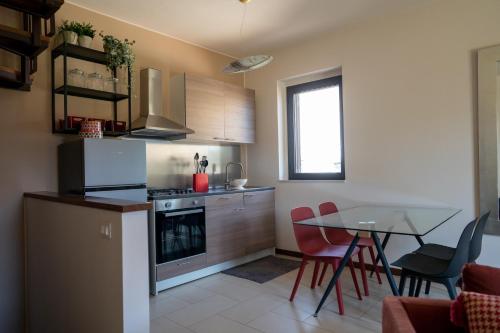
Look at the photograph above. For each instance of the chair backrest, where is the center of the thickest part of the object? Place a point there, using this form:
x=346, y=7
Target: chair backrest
x=334, y=236
x=477, y=238
x=327, y=208
x=461, y=255
x=301, y=213
x=309, y=238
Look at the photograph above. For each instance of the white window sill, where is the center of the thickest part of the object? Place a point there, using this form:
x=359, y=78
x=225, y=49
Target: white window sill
x=311, y=181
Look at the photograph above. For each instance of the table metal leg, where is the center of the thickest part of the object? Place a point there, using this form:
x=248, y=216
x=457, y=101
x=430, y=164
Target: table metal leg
x=419, y=240
x=338, y=271
x=384, y=244
x=387, y=268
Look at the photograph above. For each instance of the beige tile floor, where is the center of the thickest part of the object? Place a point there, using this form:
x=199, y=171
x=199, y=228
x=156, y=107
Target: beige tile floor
x=225, y=304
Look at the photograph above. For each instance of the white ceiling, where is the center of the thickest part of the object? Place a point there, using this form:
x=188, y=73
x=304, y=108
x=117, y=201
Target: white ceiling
x=269, y=24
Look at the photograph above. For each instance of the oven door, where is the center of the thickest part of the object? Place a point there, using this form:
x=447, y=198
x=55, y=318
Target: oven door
x=179, y=234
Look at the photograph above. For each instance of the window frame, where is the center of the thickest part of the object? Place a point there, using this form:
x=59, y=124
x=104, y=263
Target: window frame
x=305, y=87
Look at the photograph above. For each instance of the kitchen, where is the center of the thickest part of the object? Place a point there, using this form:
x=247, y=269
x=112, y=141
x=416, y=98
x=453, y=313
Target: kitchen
x=178, y=236
x=202, y=218
x=169, y=163
x=153, y=178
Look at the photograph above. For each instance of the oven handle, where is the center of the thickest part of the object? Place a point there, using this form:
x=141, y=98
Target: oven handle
x=184, y=212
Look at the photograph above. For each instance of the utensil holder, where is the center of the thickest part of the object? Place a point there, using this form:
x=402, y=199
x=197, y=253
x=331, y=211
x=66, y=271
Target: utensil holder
x=200, y=182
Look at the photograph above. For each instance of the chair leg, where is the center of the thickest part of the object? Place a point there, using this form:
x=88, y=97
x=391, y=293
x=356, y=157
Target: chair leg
x=450, y=286
x=419, y=287
x=363, y=272
x=377, y=270
x=459, y=283
x=402, y=282
x=354, y=279
x=411, y=292
x=297, y=280
x=317, y=263
x=427, y=287
x=338, y=290
x=325, y=266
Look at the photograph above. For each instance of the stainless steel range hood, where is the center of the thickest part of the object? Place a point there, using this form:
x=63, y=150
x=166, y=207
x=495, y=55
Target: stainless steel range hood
x=152, y=121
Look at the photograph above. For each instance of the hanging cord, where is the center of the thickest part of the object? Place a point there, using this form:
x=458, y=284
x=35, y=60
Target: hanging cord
x=243, y=19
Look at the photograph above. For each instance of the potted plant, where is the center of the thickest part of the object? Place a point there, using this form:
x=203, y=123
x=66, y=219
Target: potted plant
x=86, y=33
x=118, y=53
x=68, y=31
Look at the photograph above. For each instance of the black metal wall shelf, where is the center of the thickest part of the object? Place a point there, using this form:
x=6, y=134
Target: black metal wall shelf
x=78, y=52
x=105, y=133
x=91, y=93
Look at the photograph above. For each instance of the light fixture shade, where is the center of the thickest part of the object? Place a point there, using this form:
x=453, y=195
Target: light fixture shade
x=248, y=63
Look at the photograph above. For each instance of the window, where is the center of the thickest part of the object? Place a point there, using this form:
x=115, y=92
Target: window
x=315, y=130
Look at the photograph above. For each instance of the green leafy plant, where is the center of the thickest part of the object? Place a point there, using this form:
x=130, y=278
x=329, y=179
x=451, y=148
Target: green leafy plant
x=86, y=29
x=70, y=26
x=118, y=53
x=81, y=29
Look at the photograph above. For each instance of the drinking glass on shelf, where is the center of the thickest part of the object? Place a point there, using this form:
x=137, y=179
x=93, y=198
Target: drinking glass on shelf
x=111, y=85
x=76, y=78
x=122, y=88
x=95, y=81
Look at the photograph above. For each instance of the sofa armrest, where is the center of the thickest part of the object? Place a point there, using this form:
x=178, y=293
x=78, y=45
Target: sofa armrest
x=481, y=279
x=410, y=314
x=394, y=317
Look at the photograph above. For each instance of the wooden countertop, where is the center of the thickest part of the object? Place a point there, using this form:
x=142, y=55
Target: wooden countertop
x=117, y=205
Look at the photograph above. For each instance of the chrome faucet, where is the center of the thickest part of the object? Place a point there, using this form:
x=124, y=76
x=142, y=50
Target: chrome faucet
x=227, y=184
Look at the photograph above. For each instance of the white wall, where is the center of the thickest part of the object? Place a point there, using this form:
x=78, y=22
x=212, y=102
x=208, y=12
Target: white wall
x=409, y=114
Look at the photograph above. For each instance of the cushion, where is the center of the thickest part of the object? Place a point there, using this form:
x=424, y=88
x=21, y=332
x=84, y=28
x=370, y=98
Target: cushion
x=481, y=279
x=482, y=312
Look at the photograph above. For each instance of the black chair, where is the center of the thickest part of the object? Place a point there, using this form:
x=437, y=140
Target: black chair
x=476, y=242
x=446, y=252
x=440, y=270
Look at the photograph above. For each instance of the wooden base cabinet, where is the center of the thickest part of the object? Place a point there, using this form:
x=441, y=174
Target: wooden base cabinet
x=259, y=221
x=239, y=224
x=224, y=227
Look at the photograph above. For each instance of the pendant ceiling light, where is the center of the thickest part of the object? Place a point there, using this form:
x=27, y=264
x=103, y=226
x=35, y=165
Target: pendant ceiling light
x=251, y=62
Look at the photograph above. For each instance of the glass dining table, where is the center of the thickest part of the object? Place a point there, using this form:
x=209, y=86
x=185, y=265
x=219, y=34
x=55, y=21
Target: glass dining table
x=409, y=221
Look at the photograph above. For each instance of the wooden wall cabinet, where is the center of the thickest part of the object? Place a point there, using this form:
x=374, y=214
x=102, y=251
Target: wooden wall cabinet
x=215, y=110
x=239, y=114
x=239, y=224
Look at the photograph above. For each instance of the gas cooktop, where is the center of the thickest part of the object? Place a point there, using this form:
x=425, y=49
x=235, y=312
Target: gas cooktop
x=154, y=193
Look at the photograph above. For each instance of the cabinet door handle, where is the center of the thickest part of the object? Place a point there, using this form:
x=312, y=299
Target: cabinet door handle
x=217, y=138
x=223, y=198
x=228, y=139
x=249, y=195
x=239, y=209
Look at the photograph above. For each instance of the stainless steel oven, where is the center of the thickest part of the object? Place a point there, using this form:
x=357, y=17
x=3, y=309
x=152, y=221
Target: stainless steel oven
x=177, y=235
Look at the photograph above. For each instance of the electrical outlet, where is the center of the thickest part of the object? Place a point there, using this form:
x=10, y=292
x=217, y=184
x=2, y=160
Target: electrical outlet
x=106, y=231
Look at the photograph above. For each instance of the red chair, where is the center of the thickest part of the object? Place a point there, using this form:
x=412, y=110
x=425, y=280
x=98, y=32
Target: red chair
x=342, y=237
x=314, y=247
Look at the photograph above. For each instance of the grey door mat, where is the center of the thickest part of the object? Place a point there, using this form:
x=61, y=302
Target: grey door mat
x=264, y=269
